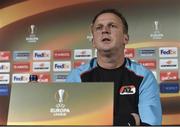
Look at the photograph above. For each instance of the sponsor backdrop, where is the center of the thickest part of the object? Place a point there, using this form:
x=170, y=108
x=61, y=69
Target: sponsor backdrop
x=45, y=40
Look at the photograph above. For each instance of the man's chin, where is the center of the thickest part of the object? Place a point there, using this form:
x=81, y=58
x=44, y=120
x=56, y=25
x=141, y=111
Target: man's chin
x=106, y=50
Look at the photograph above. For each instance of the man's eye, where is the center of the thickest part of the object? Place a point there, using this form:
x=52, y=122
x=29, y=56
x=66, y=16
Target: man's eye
x=98, y=28
x=112, y=25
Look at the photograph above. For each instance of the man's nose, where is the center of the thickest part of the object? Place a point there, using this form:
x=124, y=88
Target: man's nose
x=105, y=30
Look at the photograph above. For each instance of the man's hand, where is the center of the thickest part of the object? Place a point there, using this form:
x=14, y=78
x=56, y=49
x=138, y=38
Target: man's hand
x=137, y=118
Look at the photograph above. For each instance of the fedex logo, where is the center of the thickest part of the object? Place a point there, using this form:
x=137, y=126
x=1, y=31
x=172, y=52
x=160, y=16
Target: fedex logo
x=4, y=55
x=62, y=66
x=168, y=52
x=129, y=52
x=5, y=67
x=168, y=75
x=127, y=90
x=4, y=78
x=41, y=55
x=20, y=78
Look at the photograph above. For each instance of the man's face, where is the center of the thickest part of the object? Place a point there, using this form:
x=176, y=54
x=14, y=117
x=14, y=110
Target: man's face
x=108, y=33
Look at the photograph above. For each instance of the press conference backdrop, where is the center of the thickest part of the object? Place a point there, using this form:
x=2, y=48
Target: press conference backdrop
x=49, y=38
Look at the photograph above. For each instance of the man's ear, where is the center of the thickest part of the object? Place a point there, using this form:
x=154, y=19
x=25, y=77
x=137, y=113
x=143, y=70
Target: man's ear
x=126, y=39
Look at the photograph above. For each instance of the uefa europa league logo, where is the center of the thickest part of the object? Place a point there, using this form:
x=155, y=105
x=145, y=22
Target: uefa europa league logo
x=60, y=108
x=32, y=37
x=61, y=95
x=156, y=34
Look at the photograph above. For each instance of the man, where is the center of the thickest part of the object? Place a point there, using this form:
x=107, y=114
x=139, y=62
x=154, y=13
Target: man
x=136, y=94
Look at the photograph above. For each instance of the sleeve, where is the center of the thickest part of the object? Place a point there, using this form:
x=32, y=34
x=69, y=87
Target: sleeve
x=74, y=76
x=149, y=101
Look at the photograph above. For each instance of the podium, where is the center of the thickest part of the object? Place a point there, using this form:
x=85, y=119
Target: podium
x=61, y=104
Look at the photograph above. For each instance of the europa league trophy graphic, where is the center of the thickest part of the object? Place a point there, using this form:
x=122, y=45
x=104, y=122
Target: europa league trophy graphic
x=32, y=29
x=156, y=25
x=61, y=95
x=32, y=35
